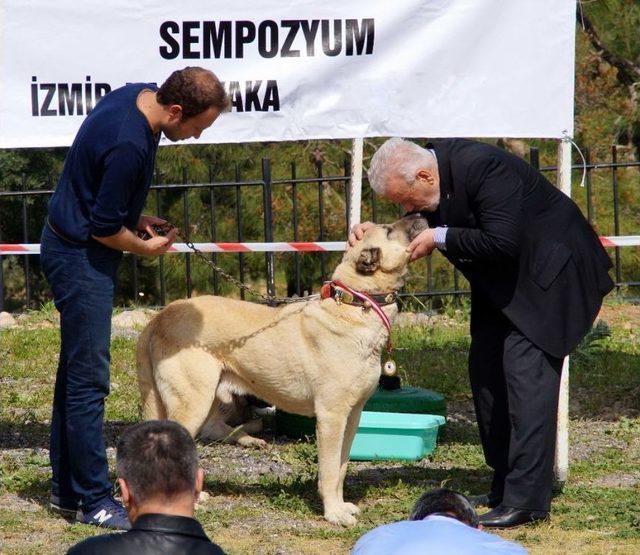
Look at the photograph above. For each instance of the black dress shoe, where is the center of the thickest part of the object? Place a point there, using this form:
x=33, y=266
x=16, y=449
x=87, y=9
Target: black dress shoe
x=509, y=517
x=485, y=500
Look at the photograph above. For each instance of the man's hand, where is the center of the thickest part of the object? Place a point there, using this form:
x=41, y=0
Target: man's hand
x=357, y=232
x=159, y=244
x=423, y=244
x=126, y=240
x=145, y=223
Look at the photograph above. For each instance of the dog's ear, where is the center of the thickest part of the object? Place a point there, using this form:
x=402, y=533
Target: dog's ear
x=368, y=261
x=416, y=225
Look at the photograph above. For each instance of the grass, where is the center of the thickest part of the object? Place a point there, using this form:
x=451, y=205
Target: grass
x=266, y=501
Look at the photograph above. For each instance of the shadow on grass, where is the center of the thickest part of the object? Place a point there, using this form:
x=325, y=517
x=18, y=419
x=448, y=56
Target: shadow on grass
x=296, y=494
x=30, y=478
x=302, y=493
x=35, y=435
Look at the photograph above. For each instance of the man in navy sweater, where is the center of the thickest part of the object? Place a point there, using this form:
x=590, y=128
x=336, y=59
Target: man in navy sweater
x=94, y=215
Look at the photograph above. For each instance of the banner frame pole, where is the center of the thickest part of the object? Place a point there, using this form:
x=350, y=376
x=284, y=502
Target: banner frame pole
x=355, y=184
x=562, y=437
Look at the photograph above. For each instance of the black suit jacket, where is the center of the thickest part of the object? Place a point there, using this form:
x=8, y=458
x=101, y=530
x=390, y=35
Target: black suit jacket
x=522, y=244
x=152, y=534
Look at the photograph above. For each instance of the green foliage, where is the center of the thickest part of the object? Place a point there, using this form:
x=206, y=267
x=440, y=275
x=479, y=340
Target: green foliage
x=585, y=353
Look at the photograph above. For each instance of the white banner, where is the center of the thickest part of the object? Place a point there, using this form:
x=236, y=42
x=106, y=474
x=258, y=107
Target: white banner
x=298, y=70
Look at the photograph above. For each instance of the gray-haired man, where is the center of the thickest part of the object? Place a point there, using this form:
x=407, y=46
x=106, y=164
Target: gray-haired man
x=538, y=274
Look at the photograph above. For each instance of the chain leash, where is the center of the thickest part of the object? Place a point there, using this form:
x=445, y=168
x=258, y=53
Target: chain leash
x=271, y=299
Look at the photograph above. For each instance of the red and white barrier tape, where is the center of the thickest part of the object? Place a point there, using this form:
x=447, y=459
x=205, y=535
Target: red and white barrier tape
x=326, y=246
x=621, y=241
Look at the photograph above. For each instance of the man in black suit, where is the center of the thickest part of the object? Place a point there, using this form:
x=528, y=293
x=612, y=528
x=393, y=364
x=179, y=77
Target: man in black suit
x=538, y=274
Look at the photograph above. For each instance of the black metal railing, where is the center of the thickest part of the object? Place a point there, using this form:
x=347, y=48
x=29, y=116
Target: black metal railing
x=22, y=213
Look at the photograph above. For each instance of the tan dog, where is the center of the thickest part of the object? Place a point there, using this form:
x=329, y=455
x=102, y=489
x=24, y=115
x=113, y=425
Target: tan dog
x=317, y=358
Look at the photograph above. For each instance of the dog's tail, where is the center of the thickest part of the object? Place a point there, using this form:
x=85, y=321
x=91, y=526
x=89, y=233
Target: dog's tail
x=152, y=406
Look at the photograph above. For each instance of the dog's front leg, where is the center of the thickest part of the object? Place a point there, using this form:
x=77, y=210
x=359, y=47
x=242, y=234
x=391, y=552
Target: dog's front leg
x=330, y=430
x=349, y=434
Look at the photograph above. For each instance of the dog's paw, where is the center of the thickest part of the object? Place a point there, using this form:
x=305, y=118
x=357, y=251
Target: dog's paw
x=249, y=441
x=351, y=508
x=341, y=515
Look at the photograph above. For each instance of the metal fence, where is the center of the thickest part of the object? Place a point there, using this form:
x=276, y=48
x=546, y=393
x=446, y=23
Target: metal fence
x=29, y=290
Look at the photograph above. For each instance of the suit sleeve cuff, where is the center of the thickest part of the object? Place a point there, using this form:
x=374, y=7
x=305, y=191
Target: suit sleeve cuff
x=440, y=238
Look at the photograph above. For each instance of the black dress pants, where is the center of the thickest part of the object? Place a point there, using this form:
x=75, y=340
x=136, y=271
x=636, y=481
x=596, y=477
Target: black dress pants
x=515, y=389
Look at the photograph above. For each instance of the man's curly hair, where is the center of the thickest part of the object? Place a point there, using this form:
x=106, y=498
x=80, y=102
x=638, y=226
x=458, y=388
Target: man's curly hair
x=195, y=89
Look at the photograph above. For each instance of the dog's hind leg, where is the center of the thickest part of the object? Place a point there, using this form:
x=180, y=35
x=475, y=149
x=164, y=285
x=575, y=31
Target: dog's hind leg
x=187, y=383
x=330, y=430
x=216, y=429
x=152, y=407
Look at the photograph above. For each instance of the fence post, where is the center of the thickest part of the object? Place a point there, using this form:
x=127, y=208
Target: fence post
x=25, y=239
x=214, y=233
x=616, y=214
x=240, y=235
x=136, y=284
x=187, y=231
x=163, y=288
x=323, y=256
x=587, y=157
x=346, y=168
x=268, y=223
x=294, y=205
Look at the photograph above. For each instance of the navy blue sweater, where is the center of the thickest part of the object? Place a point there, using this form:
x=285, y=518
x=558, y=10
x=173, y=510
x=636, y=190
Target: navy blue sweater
x=108, y=169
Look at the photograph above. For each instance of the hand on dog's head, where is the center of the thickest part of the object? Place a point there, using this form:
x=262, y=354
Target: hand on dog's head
x=379, y=261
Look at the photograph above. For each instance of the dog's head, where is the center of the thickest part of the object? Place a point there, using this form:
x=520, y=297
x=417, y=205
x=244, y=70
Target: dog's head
x=379, y=261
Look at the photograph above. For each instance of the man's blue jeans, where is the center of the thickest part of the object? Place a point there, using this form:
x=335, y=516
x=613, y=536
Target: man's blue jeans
x=83, y=280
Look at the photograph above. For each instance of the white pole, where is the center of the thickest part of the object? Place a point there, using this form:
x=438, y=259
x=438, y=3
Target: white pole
x=355, y=191
x=562, y=439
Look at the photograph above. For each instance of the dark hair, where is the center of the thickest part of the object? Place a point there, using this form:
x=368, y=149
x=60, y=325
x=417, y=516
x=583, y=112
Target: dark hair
x=445, y=501
x=195, y=89
x=157, y=458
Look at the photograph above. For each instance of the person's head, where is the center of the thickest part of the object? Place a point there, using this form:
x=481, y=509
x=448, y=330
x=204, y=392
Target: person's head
x=193, y=98
x=445, y=502
x=406, y=174
x=157, y=465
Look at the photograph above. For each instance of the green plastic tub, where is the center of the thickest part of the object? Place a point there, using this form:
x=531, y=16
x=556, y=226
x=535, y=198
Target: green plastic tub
x=414, y=400
x=395, y=436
